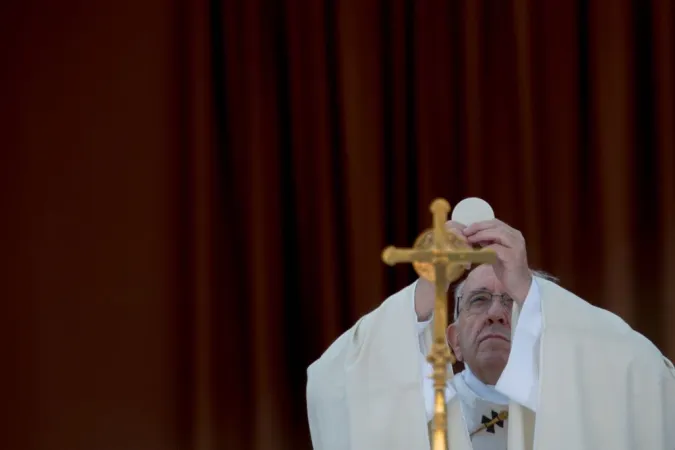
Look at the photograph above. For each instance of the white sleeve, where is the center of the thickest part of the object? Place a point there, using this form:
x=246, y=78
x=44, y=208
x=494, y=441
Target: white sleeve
x=421, y=326
x=520, y=379
x=425, y=367
x=427, y=385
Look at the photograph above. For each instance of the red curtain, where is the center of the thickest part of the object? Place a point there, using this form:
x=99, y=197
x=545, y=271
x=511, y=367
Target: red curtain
x=196, y=194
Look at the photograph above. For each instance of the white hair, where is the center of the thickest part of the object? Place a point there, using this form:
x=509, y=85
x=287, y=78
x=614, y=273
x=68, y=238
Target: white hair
x=458, y=289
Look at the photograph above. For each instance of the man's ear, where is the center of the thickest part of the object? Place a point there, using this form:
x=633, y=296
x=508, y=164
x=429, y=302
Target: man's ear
x=452, y=335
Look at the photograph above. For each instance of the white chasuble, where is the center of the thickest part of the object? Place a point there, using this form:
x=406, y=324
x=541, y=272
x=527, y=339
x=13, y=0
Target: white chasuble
x=578, y=378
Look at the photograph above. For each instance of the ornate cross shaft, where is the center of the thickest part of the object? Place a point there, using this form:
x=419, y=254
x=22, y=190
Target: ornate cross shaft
x=440, y=257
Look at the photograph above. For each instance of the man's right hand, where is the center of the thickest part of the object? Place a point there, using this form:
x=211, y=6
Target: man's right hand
x=425, y=292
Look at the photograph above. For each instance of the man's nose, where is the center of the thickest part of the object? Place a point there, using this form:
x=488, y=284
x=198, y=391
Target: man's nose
x=496, y=312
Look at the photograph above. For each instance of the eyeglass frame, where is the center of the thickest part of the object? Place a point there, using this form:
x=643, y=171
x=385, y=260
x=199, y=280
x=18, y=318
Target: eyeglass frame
x=504, y=298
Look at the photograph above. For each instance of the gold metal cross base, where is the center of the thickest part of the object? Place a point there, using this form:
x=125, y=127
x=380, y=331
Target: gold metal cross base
x=440, y=256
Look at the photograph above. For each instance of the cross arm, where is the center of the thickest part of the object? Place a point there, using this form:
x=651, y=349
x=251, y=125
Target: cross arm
x=482, y=256
x=392, y=255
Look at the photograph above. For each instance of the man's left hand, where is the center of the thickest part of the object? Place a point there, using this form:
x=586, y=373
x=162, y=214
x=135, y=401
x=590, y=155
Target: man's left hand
x=508, y=243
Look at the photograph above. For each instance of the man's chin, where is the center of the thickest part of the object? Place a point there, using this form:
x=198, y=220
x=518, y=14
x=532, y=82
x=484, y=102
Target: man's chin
x=495, y=359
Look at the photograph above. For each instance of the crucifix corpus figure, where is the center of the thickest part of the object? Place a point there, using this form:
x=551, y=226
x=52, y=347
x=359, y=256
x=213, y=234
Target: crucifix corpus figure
x=537, y=358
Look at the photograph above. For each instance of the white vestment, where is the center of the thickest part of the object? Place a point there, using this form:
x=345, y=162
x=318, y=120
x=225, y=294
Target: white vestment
x=578, y=377
x=479, y=410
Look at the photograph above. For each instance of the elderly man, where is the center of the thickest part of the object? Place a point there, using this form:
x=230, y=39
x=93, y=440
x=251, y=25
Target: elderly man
x=568, y=376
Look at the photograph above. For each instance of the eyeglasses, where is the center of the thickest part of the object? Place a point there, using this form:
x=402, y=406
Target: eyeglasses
x=480, y=301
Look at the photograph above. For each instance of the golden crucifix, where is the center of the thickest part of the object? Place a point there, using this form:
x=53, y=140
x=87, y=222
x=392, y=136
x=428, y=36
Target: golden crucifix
x=439, y=256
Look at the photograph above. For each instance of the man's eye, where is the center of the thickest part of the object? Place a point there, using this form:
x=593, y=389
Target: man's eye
x=479, y=299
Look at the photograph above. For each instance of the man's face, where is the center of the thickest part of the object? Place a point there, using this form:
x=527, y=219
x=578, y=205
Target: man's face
x=481, y=337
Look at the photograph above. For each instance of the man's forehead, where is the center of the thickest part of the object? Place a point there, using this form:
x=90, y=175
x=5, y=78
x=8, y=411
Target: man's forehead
x=482, y=276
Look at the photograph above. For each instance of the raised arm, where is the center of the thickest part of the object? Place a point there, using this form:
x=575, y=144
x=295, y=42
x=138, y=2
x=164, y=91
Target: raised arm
x=368, y=377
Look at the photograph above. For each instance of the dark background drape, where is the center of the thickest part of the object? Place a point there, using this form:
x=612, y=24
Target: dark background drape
x=195, y=194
